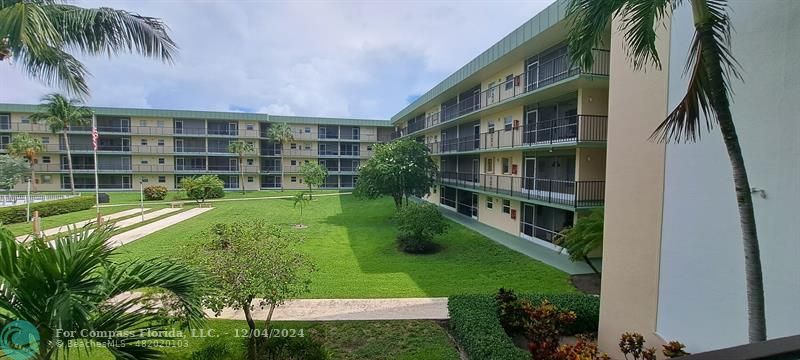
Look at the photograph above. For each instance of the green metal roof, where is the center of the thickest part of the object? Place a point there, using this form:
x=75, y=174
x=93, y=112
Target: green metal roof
x=210, y=115
x=548, y=17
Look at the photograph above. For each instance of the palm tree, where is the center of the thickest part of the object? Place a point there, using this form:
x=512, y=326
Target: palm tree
x=241, y=147
x=60, y=113
x=281, y=133
x=40, y=34
x=301, y=201
x=76, y=282
x=711, y=67
x=27, y=147
x=583, y=238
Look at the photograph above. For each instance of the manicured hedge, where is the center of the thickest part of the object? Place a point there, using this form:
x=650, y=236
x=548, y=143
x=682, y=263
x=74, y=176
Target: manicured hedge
x=474, y=321
x=16, y=214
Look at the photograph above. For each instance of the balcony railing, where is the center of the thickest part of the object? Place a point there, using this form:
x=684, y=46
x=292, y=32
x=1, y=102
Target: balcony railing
x=546, y=73
x=554, y=191
x=570, y=129
x=87, y=147
x=225, y=132
x=190, y=149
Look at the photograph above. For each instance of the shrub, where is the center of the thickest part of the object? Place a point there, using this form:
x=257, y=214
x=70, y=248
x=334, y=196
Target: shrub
x=155, y=192
x=475, y=322
x=203, y=187
x=417, y=225
x=293, y=348
x=510, y=311
x=413, y=245
x=213, y=350
x=17, y=214
x=544, y=326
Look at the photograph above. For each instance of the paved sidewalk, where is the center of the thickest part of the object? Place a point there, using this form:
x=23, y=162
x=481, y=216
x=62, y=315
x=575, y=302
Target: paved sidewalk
x=350, y=309
x=80, y=224
x=144, y=230
x=147, y=216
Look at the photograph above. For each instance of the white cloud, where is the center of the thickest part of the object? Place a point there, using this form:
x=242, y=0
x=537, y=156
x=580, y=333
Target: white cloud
x=315, y=58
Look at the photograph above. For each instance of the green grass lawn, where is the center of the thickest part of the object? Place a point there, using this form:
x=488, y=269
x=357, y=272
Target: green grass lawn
x=65, y=219
x=345, y=340
x=352, y=243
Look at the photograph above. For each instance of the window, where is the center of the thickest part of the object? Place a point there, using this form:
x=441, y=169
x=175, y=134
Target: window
x=307, y=147
x=506, y=206
x=144, y=180
x=145, y=162
x=142, y=123
x=160, y=123
x=293, y=162
x=293, y=179
x=250, y=178
x=45, y=139
x=161, y=161
x=251, y=143
x=509, y=82
x=144, y=142
x=160, y=142
x=249, y=161
x=369, y=147
x=491, y=126
x=307, y=130
x=46, y=179
x=293, y=146
x=162, y=179
x=249, y=127
x=489, y=167
x=45, y=159
x=25, y=120
x=508, y=123
x=489, y=202
x=506, y=165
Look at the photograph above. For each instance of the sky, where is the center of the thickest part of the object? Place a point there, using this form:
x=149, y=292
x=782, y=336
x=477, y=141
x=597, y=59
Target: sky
x=360, y=59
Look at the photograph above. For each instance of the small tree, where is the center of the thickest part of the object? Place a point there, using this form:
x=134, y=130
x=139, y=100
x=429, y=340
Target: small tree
x=203, y=187
x=280, y=133
x=252, y=263
x=241, y=148
x=314, y=174
x=26, y=147
x=12, y=171
x=417, y=225
x=583, y=238
x=399, y=169
x=301, y=201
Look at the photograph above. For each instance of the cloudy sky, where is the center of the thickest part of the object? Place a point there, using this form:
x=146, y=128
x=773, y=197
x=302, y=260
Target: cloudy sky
x=365, y=59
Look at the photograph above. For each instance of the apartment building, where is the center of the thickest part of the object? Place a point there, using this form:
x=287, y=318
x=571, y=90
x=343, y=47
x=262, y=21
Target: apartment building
x=519, y=132
x=160, y=147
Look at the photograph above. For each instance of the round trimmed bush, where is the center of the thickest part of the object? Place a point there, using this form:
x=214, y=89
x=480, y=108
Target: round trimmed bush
x=155, y=192
x=412, y=244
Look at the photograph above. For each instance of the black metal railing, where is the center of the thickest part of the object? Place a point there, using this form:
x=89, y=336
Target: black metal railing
x=89, y=147
x=554, y=191
x=577, y=128
x=545, y=74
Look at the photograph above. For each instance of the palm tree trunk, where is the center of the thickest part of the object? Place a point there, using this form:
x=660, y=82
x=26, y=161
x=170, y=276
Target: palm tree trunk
x=754, y=278
x=589, y=262
x=281, y=147
x=757, y=330
x=241, y=172
x=69, y=163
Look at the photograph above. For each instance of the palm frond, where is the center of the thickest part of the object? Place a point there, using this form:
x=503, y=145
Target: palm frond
x=710, y=57
x=55, y=67
x=640, y=19
x=111, y=31
x=588, y=21
x=27, y=26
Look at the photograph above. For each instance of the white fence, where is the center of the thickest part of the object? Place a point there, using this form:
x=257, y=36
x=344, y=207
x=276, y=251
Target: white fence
x=11, y=200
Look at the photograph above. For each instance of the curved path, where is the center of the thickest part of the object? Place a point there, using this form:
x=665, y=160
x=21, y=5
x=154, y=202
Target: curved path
x=349, y=309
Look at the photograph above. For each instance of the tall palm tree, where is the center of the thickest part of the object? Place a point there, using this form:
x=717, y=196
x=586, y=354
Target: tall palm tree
x=27, y=147
x=40, y=35
x=281, y=133
x=77, y=282
x=240, y=148
x=711, y=67
x=60, y=113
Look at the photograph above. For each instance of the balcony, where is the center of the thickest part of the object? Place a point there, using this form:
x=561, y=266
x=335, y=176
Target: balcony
x=87, y=147
x=569, y=130
x=540, y=76
x=231, y=168
x=190, y=149
x=553, y=191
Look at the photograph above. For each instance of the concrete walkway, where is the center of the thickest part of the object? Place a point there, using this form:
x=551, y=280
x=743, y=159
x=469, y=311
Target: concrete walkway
x=144, y=230
x=226, y=200
x=80, y=224
x=349, y=309
x=147, y=216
